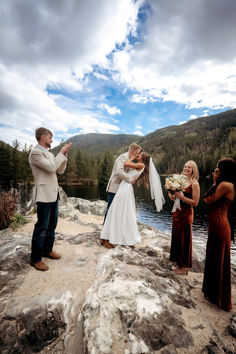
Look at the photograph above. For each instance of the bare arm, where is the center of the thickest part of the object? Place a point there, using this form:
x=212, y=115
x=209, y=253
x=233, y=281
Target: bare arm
x=171, y=196
x=136, y=165
x=223, y=189
x=195, y=195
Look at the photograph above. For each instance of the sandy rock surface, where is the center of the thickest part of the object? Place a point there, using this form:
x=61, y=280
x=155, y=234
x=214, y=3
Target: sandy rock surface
x=95, y=300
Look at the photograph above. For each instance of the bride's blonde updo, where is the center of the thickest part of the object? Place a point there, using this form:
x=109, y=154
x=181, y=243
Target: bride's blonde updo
x=144, y=177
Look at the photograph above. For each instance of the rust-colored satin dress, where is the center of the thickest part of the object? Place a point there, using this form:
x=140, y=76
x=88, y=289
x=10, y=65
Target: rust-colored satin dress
x=181, y=240
x=217, y=274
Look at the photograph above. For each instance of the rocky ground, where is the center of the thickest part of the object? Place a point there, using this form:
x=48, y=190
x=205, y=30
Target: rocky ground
x=94, y=300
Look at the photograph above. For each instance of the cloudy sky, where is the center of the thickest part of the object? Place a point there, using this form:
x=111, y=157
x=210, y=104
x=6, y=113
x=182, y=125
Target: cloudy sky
x=120, y=66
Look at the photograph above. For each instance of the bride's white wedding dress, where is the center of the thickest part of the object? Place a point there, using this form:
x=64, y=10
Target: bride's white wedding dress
x=120, y=227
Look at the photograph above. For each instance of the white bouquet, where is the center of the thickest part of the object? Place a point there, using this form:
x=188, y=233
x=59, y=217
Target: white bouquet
x=176, y=183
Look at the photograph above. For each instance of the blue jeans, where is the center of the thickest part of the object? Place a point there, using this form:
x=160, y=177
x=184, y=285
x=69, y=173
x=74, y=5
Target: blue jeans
x=44, y=230
x=110, y=199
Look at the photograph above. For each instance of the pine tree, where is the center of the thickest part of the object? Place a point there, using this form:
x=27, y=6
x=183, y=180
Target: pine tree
x=15, y=161
x=5, y=166
x=106, y=168
x=81, y=169
x=25, y=173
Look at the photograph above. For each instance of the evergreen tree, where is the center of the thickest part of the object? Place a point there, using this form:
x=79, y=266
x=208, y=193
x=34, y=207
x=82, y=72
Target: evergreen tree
x=25, y=173
x=93, y=169
x=81, y=169
x=5, y=165
x=15, y=161
x=106, y=168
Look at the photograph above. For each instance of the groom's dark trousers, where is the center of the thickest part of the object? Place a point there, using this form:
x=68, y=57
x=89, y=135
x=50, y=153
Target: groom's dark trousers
x=44, y=230
x=109, y=201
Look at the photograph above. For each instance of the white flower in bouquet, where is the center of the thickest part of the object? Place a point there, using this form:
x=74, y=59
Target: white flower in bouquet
x=176, y=182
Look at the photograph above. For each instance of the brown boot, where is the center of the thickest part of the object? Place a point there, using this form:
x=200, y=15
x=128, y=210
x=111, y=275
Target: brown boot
x=53, y=255
x=107, y=244
x=39, y=266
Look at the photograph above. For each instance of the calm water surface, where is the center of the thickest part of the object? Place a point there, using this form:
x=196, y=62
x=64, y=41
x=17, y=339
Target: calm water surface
x=146, y=211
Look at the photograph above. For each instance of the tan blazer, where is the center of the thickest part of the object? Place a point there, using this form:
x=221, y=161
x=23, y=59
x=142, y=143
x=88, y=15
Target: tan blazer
x=45, y=167
x=118, y=173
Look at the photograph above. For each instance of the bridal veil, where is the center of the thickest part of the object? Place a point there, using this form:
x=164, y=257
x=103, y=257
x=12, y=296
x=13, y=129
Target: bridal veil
x=155, y=186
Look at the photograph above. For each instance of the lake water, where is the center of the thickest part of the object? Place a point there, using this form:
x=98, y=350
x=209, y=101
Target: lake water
x=146, y=211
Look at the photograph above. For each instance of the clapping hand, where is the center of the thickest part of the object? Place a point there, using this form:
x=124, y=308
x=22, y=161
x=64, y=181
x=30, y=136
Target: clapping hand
x=65, y=149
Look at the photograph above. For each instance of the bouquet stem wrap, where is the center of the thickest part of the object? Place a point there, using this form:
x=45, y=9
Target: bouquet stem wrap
x=176, y=204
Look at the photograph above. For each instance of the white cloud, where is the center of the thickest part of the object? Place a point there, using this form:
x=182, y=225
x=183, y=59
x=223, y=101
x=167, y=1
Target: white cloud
x=52, y=44
x=182, y=122
x=205, y=114
x=138, y=132
x=181, y=51
x=183, y=55
x=112, y=110
x=100, y=76
x=142, y=98
x=193, y=116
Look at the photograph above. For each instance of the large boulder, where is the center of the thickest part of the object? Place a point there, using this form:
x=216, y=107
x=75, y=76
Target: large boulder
x=97, y=207
x=94, y=300
x=134, y=305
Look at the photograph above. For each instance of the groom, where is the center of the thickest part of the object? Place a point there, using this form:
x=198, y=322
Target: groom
x=118, y=174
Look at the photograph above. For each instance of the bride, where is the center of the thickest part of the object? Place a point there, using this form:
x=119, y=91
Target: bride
x=120, y=227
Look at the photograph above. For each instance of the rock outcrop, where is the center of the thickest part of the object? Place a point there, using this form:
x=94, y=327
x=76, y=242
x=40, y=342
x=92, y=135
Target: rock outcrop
x=95, y=300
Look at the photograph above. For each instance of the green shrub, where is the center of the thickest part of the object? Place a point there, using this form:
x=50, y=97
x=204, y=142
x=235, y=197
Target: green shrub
x=18, y=220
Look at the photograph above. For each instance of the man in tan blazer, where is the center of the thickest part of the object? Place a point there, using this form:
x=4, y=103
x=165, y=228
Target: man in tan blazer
x=117, y=175
x=45, y=167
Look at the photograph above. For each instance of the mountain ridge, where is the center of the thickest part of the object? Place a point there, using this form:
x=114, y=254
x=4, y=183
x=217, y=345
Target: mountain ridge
x=204, y=140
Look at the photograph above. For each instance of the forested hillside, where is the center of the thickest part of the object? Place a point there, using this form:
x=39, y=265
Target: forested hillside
x=14, y=165
x=92, y=156
x=97, y=144
x=204, y=140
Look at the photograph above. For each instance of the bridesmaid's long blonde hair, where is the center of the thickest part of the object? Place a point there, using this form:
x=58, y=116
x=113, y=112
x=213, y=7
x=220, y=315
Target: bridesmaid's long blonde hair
x=195, y=174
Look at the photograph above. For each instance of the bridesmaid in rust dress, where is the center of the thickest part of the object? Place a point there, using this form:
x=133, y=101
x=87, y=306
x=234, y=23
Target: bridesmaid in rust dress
x=217, y=274
x=181, y=238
